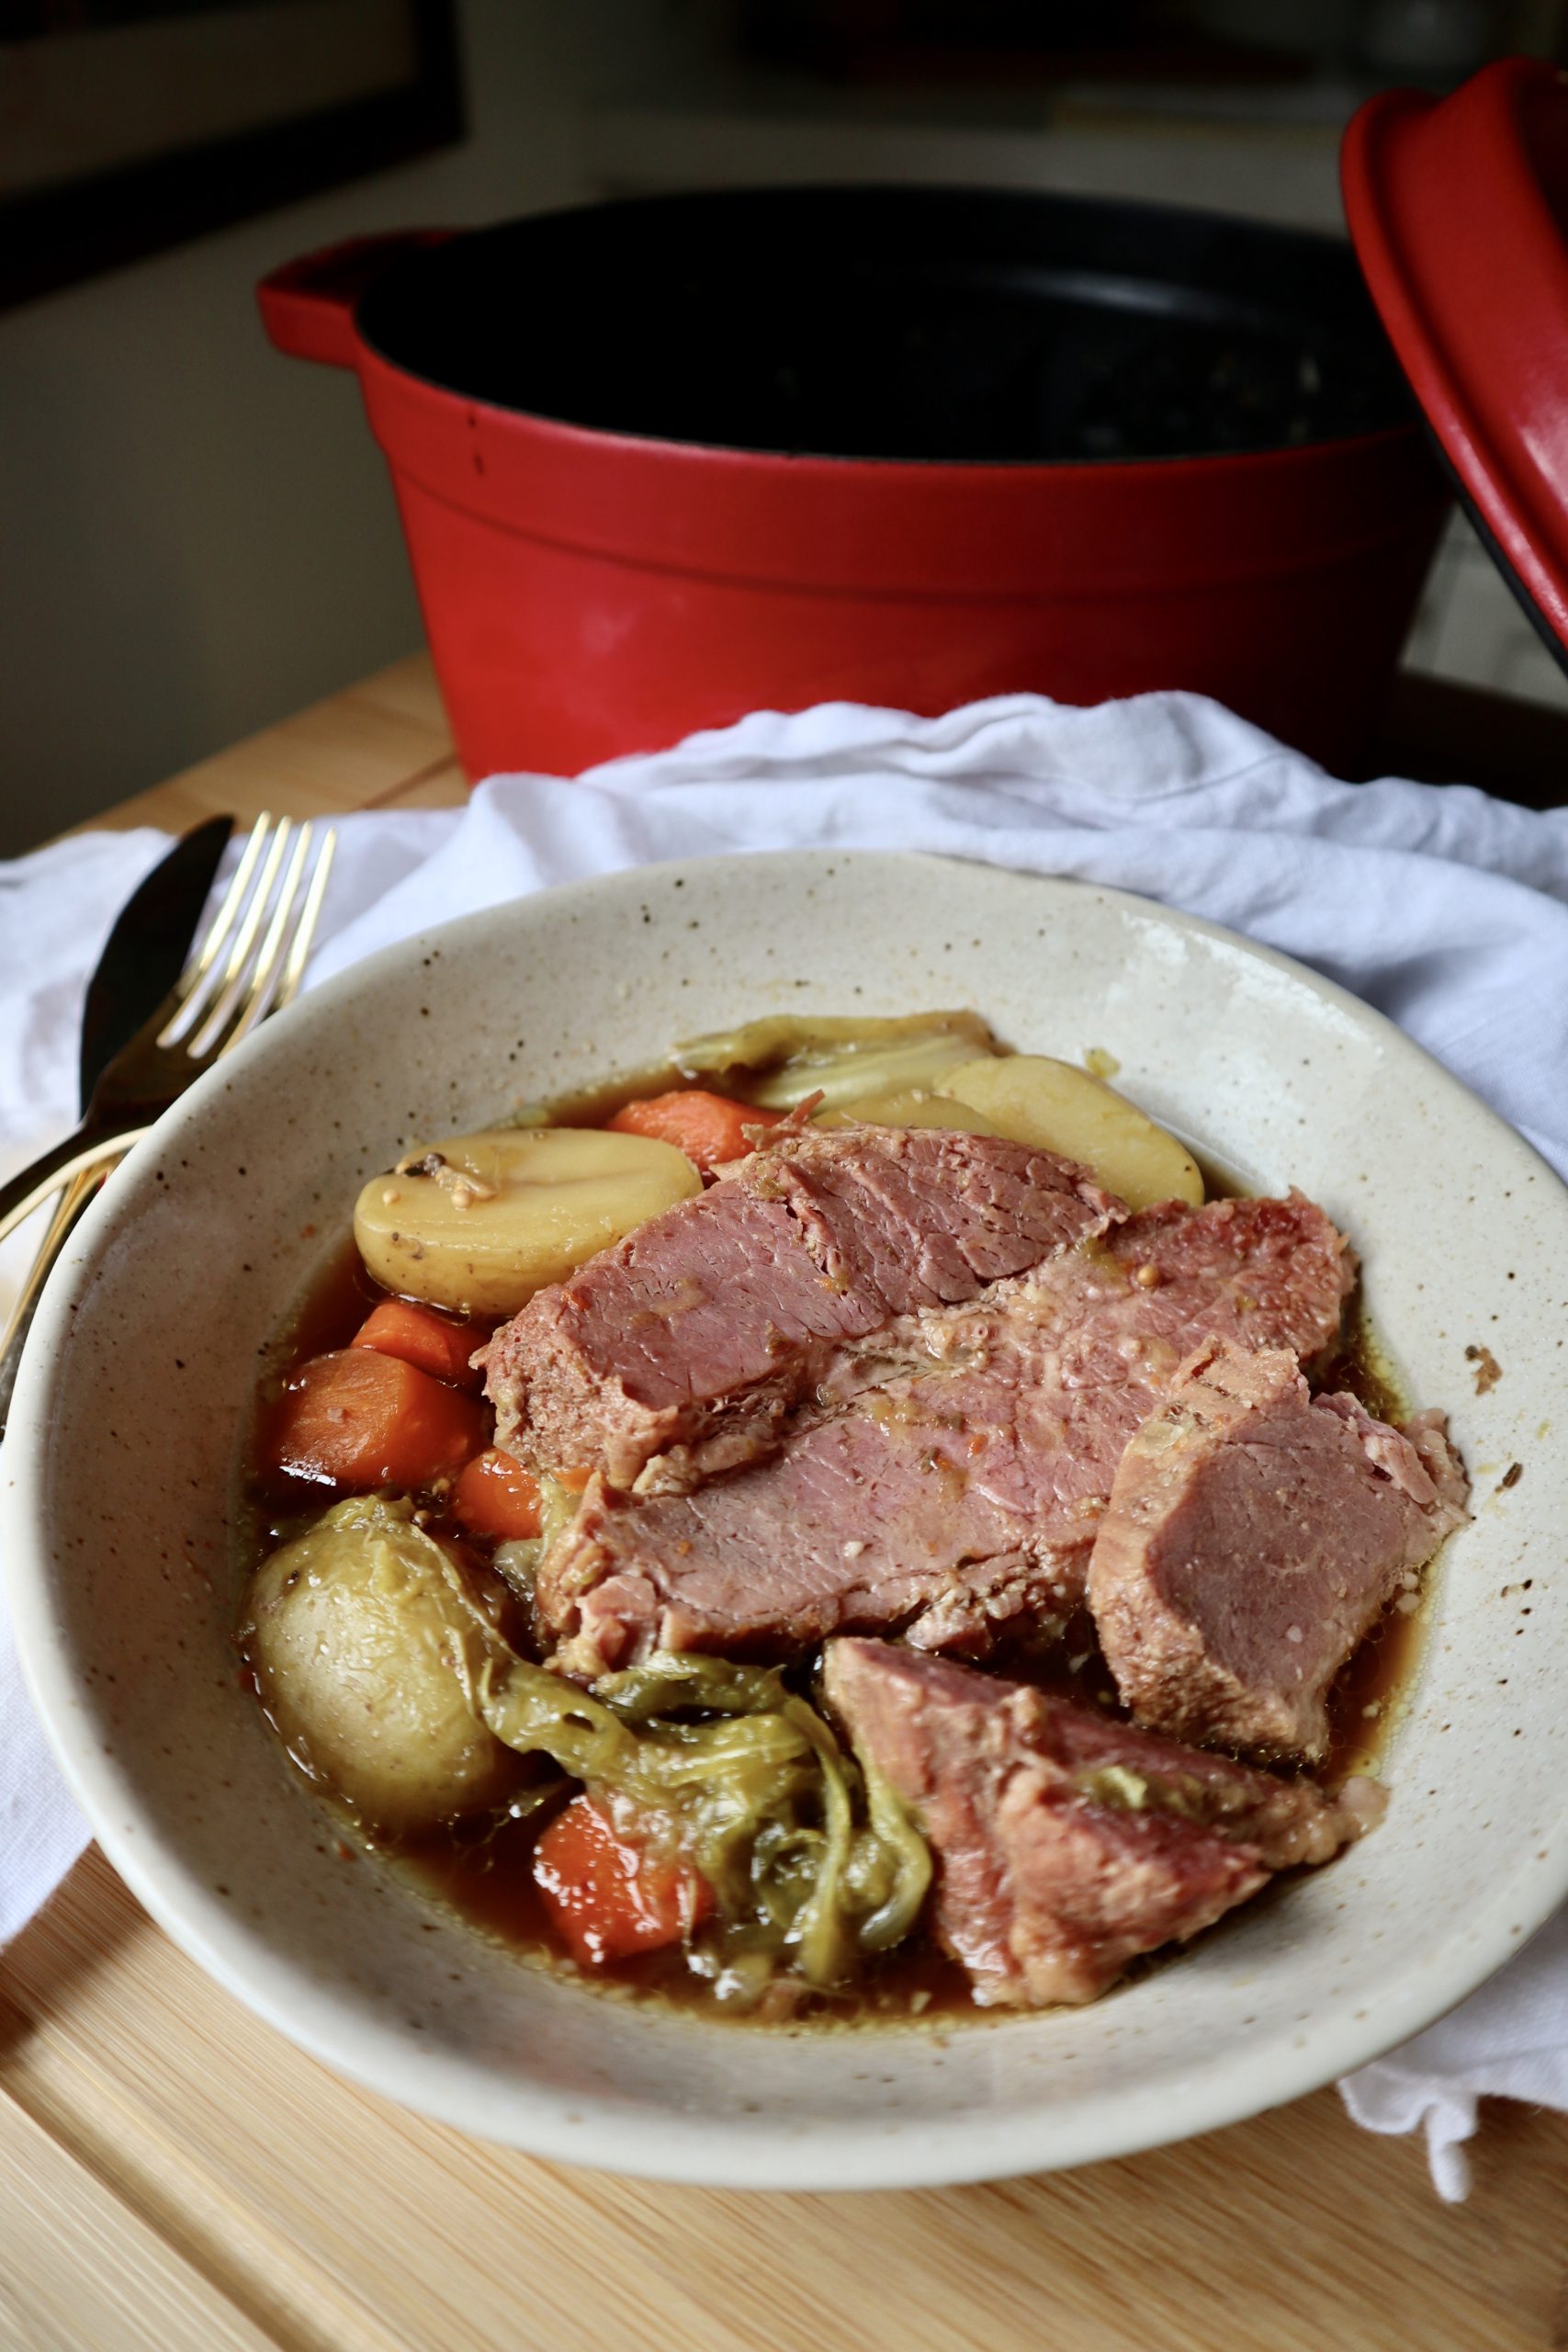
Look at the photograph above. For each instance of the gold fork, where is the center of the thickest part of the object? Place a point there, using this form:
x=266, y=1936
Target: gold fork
x=248, y=963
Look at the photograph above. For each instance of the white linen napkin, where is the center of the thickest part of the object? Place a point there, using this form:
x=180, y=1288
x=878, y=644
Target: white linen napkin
x=1447, y=910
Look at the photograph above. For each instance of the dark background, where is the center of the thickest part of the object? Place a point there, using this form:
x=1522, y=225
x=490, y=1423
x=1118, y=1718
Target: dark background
x=200, y=533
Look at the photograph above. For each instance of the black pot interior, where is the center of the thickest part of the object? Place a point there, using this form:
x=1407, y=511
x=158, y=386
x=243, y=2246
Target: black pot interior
x=923, y=324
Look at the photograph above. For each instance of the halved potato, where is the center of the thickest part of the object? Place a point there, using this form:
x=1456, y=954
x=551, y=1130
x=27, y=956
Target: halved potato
x=1062, y=1109
x=914, y=1106
x=479, y=1223
x=368, y=1644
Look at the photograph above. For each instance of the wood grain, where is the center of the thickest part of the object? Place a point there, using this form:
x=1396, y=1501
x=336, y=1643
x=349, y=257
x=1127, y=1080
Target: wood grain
x=333, y=2222
x=384, y=742
x=79, y=2267
x=174, y=2175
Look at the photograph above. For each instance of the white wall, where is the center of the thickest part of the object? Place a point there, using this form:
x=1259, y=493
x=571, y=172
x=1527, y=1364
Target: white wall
x=197, y=535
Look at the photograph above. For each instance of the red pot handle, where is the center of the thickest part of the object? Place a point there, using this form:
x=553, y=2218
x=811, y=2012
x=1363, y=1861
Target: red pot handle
x=307, y=306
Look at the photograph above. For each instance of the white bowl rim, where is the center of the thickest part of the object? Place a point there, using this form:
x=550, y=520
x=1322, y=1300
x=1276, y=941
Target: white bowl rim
x=595, y=2131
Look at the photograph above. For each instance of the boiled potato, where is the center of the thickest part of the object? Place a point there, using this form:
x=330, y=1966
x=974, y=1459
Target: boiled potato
x=778, y=1061
x=915, y=1106
x=479, y=1223
x=1061, y=1108
x=368, y=1644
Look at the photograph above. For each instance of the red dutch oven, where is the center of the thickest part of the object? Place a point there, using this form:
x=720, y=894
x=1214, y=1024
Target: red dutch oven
x=661, y=463
x=1460, y=217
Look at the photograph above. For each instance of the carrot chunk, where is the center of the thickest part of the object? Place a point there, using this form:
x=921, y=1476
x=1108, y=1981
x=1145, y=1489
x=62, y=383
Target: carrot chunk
x=359, y=1418
x=398, y=1327
x=706, y=1127
x=496, y=1496
x=610, y=1897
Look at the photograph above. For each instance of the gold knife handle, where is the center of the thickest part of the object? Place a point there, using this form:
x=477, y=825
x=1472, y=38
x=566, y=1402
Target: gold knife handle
x=76, y=1200
x=78, y=1155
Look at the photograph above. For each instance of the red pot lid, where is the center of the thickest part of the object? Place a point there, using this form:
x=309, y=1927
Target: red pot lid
x=1459, y=210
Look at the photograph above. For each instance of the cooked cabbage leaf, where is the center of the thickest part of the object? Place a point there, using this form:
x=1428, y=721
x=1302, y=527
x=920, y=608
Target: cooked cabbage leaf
x=389, y=1669
x=809, y=1858
x=779, y=1061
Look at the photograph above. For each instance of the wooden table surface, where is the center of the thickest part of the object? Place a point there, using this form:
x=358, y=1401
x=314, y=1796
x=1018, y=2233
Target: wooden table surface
x=175, y=2178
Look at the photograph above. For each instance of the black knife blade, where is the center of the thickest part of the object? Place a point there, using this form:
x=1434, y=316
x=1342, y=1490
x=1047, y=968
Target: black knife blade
x=145, y=952
x=142, y=958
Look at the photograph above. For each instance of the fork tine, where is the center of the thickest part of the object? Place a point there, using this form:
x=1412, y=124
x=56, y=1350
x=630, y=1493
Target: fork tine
x=192, y=985
x=233, y=986
x=260, y=989
x=253, y=983
x=245, y=993
x=275, y=978
x=310, y=915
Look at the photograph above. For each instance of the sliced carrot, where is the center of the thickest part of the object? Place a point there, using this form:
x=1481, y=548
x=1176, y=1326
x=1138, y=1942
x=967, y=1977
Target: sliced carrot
x=706, y=1127
x=575, y=1481
x=398, y=1327
x=495, y=1496
x=608, y=1895
x=359, y=1418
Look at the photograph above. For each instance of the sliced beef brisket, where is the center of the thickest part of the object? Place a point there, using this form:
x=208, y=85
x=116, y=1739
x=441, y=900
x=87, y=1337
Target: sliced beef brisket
x=1272, y=1273
x=1254, y=1534
x=965, y=1491
x=1066, y=1842
x=702, y=1328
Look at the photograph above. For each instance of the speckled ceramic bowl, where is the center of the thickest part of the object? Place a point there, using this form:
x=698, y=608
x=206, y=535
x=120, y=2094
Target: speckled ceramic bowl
x=122, y=1458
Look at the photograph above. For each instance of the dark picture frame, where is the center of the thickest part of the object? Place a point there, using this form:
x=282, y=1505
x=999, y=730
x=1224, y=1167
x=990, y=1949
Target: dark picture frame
x=60, y=233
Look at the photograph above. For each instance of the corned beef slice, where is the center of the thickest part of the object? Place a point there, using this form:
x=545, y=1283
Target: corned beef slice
x=1066, y=1842
x=952, y=1497
x=701, y=1330
x=1254, y=1534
